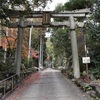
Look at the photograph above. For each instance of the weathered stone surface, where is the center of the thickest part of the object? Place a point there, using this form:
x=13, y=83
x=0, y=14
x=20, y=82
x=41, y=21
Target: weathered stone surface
x=93, y=94
x=97, y=89
x=1, y=95
x=80, y=83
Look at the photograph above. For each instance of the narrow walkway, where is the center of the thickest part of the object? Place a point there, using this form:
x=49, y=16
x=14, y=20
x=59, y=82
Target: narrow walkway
x=47, y=85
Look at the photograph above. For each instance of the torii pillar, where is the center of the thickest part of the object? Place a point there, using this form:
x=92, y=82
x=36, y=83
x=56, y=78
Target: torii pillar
x=18, y=56
x=75, y=58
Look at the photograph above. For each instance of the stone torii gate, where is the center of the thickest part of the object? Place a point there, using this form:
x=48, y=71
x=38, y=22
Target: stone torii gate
x=46, y=16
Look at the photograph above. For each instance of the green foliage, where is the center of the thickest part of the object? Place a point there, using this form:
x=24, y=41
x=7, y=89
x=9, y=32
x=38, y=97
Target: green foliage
x=44, y=50
x=96, y=10
x=8, y=7
x=78, y=4
x=36, y=42
x=95, y=72
x=61, y=43
x=59, y=8
x=7, y=59
x=35, y=39
x=26, y=3
x=95, y=98
x=60, y=39
x=94, y=51
x=87, y=87
x=7, y=68
x=41, y=3
x=28, y=64
x=93, y=31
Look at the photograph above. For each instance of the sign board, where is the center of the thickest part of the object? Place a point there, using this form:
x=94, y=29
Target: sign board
x=46, y=18
x=86, y=60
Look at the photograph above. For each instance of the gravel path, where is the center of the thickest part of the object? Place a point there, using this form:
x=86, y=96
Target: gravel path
x=49, y=84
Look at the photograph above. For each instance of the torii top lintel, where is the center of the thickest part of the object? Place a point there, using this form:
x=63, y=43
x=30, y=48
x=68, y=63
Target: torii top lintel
x=39, y=14
x=46, y=15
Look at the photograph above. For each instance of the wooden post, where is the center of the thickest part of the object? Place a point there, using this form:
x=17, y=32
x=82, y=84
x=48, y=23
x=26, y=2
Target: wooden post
x=75, y=58
x=19, y=47
x=41, y=53
x=87, y=73
x=29, y=51
x=0, y=34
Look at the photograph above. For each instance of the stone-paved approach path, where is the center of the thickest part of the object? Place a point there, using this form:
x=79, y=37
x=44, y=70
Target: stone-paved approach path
x=47, y=85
